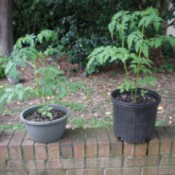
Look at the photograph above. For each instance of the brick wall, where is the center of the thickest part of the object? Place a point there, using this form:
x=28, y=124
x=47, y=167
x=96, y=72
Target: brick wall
x=87, y=152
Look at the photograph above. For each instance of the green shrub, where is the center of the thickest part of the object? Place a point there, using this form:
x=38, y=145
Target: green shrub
x=76, y=21
x=2, y=67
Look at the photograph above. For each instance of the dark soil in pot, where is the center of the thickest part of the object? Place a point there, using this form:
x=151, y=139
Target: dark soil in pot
x=134, y=122
x=36, y=116
x=126, y=97
x=45, y=131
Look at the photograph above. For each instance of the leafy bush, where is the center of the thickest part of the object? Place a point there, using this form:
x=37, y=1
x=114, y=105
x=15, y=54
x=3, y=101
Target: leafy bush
x=76, y=21
x=2, y=67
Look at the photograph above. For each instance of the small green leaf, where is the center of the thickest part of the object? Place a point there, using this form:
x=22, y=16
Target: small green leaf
x=111, y=28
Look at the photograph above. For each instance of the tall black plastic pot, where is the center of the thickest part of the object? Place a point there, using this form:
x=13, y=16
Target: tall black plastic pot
x=134, y=123
x=47, y=131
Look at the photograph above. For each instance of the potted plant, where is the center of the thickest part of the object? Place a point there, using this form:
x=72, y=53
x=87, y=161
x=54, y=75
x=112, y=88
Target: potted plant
x=134, y=107
x=45, y=122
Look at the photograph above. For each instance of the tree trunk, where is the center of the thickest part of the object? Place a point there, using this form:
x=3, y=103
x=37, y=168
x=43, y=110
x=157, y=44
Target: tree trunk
x=6, y=32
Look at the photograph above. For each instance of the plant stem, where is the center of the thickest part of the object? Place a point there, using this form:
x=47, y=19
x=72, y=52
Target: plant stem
x=37, y=80
x=44, y=80
x=126, y=70
x=30, y=63
x=139, y=68
x=123, y=46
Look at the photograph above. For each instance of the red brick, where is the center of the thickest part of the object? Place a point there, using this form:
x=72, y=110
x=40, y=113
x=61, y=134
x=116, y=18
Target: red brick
x=54, y=164
x=91, y=143
x=116, y=171
x=123, y=171
x=38, y=172
x=165, y=146
x=103, y=143
x=149, y=171
x=4, y=142
x=28, y=148
x=116, y=145
x=3, y=164
x=56, y=172
x=153, y=146
x=131, y=171
x=140, y=149
x=78, y=144
x=53, y=151
x=16, y=165
x=85, y=172
x=165, y=160
x=75, y=172
x=18, y=172
x=171, y=132
x=166, y=170
x=30, y=164
x=172, y=160
x=40, y=164
x=4, y=172
x=15, y=145
x=66, y=148
x=65, y=164
x=141, y=161
x=40, y=151
x=128, y=149
x=104, y=162
x=172, y=170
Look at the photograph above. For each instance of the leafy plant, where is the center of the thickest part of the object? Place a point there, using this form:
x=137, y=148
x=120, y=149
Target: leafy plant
x=47, y=78
x=2, y=67
x=45, y=111
x=17, y=60
x=166, y=67
x=133, y=49
x=17, y=92
x=27, y=49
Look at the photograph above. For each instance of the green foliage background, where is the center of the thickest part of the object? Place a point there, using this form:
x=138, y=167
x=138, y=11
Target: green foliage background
x=81, y=24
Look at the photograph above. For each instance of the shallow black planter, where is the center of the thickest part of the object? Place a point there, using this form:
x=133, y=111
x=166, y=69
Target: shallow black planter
x=134, y=123
x=47, y=131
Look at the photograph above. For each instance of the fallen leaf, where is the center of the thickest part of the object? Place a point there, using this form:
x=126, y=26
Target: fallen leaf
x=170, y=122
x=160, y=108
x=170, y=117
x=108, y=113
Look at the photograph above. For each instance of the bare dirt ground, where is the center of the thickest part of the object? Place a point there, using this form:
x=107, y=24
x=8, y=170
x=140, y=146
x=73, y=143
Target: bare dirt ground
x=92, y=99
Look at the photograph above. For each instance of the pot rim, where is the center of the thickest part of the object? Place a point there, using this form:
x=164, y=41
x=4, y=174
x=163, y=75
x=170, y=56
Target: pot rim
x=60, y=107
x=153, y=94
